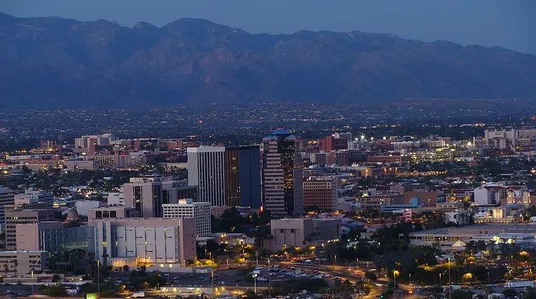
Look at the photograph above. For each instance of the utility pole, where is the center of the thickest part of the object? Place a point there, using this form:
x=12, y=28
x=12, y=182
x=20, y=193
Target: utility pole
x=257, y=258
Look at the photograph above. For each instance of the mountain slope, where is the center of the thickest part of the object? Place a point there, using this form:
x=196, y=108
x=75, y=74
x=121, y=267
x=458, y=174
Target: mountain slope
x=54, y=62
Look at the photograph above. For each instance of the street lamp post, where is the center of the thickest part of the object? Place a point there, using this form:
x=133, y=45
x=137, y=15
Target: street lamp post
x=98, y=276
x=212, y=280
x=450, y=286
x=395, y=273
x=269, y=280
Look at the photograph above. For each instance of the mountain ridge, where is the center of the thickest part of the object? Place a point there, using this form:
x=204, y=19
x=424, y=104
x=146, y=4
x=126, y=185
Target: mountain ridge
x=65, y=63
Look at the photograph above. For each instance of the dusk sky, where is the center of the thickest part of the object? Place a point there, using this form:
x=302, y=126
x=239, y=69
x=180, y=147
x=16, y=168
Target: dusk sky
x=509, y=24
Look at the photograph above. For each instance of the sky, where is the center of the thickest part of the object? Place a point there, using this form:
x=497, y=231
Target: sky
x=506, y=23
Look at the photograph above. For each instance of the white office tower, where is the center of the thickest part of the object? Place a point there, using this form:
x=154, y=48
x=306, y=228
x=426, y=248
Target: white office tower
x=206, y=169
x=187, y=208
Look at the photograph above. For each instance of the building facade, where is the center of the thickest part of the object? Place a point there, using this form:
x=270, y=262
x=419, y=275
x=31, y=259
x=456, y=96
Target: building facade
x=243, y=176
x=320, y=192
x=17, y=263
x=17, y=215
x=144, y=194
x=282, y=174
x=187, y=208
x=206, y=170
x=145, y=242
x=300, y=231
x=7, y=197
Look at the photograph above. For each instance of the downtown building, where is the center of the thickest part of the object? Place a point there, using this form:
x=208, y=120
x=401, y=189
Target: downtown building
x=320, y=192
x=206, y=170
x=187, y=208
x=157, y=243
x=282, y=174
x=7, y=197
x=145, y=195
x=226, y=177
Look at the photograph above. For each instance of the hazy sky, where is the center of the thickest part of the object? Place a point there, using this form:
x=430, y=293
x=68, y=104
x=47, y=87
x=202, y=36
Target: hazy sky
x=507, y=23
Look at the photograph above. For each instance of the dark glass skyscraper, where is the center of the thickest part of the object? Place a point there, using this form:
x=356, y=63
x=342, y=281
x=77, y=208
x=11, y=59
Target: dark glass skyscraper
x=282, y=174
x=243, y=176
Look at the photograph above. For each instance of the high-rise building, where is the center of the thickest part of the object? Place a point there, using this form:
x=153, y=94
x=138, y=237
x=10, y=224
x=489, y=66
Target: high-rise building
x=206, y=170
x=282, y=174
x=243, y=176
x=187, y=208
x=7, y=197
x=145, y=195
x=175, y=190
x=320, y=192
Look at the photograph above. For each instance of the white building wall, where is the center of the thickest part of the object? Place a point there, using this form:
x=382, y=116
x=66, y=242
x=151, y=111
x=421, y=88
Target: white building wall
x=206, y=168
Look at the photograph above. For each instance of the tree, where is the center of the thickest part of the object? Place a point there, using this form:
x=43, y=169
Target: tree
x=370, y=276
x=126, y=268
x=461, y=294
x=509, y=293
x=530, y=294
x=56, y=291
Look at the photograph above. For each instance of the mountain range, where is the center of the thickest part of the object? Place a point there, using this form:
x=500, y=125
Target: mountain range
x=63, y=63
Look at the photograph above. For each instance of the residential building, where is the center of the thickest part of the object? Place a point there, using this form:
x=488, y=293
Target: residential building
x=17, y=263
x=144, y=194
x=206, y=170
x=489, y=194
x=145, y=242
x=17, y=215
x=297, y=231
x=282, y=174
x=320, y=192
x=187, y=208
x=243, y=176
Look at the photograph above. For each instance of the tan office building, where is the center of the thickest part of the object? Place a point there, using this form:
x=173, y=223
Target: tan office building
x=16, y=263
x=18, y=215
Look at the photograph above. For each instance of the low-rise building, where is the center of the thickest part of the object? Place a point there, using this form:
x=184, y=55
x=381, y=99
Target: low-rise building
x=297, y=231
x=150, y=242
x=31, y=196
x=459, y=217
x=17, y=263
x=444, y=238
